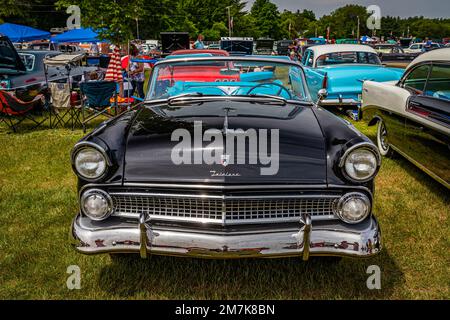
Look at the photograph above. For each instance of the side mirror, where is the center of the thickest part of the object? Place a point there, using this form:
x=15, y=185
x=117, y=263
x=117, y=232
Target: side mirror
x=322, y=94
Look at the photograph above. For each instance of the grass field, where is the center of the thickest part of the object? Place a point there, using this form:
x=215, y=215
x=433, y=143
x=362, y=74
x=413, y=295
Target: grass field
x=38, y=202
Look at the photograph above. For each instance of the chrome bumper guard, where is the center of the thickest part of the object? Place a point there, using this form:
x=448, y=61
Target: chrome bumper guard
x=332, y=238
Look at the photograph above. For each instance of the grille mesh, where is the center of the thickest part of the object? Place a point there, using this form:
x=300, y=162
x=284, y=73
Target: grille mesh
x=218, y=210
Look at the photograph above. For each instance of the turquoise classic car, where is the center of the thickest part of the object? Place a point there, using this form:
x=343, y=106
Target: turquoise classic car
x=341, y=69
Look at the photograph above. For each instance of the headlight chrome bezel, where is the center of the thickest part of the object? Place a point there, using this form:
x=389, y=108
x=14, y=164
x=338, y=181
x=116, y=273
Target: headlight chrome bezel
x=105, y=195
x=352, y=195
x=90, y=145
x=363, y=146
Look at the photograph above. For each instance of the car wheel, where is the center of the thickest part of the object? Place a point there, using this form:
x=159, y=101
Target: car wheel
x=382, y=142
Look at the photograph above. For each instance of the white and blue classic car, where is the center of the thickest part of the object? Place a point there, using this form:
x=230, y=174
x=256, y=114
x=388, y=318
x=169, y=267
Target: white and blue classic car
x=341, y=69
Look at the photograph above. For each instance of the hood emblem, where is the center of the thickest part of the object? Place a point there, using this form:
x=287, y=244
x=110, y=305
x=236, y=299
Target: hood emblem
x=224, y=159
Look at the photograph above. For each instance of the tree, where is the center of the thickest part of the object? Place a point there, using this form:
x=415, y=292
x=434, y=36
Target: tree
x=267, y=18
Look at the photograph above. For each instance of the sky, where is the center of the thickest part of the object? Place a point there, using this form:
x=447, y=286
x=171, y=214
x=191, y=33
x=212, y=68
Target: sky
x=402, y=8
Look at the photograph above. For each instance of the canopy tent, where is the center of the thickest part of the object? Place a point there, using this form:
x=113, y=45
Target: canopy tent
x=19, y=33
x=77, y=35
x=367, y=39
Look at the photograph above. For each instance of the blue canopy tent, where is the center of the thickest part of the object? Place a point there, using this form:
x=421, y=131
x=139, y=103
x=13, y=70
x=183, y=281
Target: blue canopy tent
x=83, y=35
x=19, y=33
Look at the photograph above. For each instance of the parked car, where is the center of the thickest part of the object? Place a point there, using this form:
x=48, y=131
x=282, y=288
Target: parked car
x=393, y=52
x=214, y=46
x=142, y=190
x=283, y=47
x=23, y=71
x=341, y=69
x=418, y=47
x=237, y=45
x=413, y=115
x=264, y=46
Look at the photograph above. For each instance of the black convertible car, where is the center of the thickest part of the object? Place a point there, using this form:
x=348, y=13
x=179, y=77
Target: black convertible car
x=227, y=158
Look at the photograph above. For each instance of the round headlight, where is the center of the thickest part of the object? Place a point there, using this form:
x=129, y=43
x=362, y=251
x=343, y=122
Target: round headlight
x=96, y=204
x=353, y=207
x=360, y=164
x=90, y=163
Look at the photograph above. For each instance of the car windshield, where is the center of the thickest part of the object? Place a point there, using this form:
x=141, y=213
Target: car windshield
x=223, y=76
x=347, y=57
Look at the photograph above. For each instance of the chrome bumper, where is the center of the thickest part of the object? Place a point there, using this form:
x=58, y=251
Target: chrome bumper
x=332, y=238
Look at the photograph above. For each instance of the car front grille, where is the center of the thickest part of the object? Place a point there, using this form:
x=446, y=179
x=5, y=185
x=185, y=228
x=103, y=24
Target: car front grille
x=223, y=210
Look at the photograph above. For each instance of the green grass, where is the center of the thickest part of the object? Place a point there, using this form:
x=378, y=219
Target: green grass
x=38, y=202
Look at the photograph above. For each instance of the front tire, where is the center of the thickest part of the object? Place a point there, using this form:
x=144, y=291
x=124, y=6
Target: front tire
x=382, y=142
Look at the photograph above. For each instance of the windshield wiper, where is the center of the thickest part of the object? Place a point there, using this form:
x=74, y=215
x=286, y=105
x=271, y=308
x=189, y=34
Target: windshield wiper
x=267, y=97
x=180, y=97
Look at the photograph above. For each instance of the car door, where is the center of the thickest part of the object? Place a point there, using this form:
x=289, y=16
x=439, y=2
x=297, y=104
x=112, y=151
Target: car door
x=428, y=128
x=314, y=79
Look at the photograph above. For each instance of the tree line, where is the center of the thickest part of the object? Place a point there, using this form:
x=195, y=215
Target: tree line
x=120, y=20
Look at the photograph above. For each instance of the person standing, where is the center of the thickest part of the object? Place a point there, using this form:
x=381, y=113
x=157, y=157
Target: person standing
x=136, y=72
x=199, y=43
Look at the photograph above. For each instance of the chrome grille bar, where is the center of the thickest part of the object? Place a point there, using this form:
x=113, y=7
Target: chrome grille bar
x=223, y=209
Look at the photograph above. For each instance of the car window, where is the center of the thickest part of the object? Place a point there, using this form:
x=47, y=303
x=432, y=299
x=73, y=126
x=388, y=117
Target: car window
x=305, y=57
x=438, y=85
x=310, y=59
x=415, y=47
x=417, y=78
x=350, y=57
x=28, y=60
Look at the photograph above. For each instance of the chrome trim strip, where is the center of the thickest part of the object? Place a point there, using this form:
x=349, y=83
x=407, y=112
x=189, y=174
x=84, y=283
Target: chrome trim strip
x=225, y=197
x=222, y=221
x=339, y=101
x=225, y=187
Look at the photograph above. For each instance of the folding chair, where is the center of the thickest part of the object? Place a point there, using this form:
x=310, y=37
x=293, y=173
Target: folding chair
x=65, y=110
x=13, y=111
x=95, y=100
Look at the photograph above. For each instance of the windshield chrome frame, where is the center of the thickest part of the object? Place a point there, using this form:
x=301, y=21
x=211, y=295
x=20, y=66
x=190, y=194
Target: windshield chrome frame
x=308, y=99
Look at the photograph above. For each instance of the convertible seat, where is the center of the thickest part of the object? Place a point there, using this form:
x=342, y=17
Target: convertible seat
x=13, y=110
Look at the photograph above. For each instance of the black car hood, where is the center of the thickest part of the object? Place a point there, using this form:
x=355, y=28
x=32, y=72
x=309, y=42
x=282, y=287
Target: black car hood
x=302, y=154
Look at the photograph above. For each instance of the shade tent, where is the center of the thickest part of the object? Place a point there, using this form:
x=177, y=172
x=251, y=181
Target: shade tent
x=83, y=35
x=367, y=39
x=19, y=33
